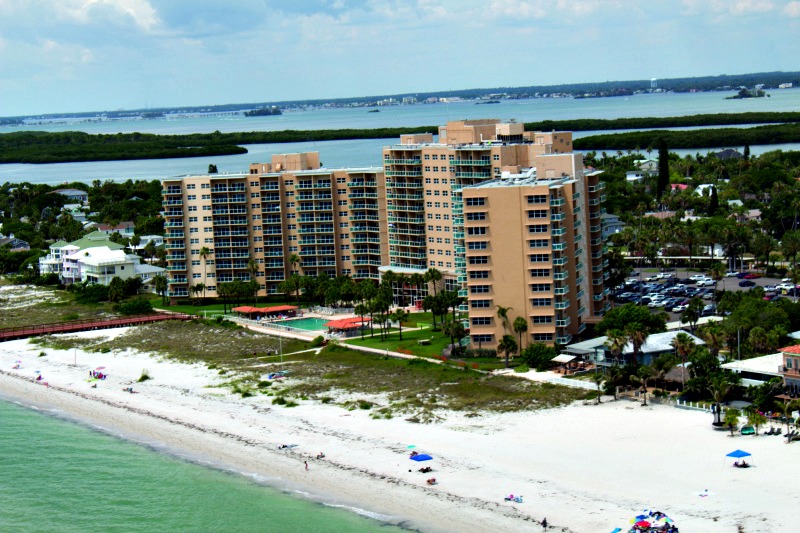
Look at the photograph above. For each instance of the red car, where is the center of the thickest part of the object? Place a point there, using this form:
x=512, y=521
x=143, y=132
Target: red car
x=752, y=275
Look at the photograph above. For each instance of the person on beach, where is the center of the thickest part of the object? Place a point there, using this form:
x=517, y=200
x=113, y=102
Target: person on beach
x=544, y=523
x=306, y=462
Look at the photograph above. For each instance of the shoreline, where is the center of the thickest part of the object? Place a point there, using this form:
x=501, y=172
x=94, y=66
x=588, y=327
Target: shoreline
x=583, y=467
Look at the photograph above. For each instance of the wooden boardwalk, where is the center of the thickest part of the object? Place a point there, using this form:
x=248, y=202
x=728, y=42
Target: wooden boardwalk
x=22, y=332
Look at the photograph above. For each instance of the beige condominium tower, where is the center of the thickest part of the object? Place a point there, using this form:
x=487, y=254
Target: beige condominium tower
x=508, y=216
x=228, y=227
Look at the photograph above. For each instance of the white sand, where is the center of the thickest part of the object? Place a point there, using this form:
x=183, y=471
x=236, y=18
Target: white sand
x=586, y=468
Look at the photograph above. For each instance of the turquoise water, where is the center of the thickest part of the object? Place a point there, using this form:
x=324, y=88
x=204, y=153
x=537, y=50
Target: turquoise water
x=56, y=475
x=307, y=324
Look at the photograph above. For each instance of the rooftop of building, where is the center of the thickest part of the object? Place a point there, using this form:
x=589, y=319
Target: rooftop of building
x=527, y=178
x=766, y=364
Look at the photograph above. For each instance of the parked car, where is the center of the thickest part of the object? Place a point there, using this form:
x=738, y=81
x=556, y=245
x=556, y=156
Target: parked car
x=741, y=275
x=707, y=282
x=731, y=274
x=752, y=275
x=680, y=308
x=770, y=288
x=747, y=283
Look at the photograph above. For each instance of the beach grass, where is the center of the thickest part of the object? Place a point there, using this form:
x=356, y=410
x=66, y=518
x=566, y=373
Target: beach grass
x=52, y=306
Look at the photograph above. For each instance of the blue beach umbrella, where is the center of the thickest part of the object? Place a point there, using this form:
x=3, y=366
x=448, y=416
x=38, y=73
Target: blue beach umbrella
x=421, y=457
x=738, y=454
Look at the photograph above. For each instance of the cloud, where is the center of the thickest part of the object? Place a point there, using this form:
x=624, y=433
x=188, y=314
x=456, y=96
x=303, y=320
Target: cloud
x=792, y=9
x=736, y=8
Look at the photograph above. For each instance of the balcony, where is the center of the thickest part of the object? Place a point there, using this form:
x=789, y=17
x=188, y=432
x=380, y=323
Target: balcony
x=172, y=202
x=564, y=322
x=414, y=161
x=404, y=196
x=558, y=232
x=557, y=202
x=470, y=162
x=559, y=246
x=403, y=174
x=486, y=174
x=557, y=217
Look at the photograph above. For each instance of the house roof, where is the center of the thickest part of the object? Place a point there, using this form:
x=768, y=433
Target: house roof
x=96, y=238
x=791, y=349
x=100, y=255
x=766, y=364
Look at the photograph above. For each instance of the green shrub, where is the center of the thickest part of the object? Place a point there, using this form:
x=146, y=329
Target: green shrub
x=364, y=404
x=316, y=342
x=522, y=368
x=145, y=376
x=139, y=306
x=326, y=399
x=71, y=316
x=280, y=400
x=264, y=384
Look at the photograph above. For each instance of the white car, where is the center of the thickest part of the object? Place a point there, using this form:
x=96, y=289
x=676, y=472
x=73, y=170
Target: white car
x=705, y=282
x=731, y=274
x=784, y=287
x=680, y=308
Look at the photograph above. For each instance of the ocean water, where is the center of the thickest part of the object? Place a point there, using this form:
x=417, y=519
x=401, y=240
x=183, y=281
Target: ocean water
x=367, y=152
x=58, y=475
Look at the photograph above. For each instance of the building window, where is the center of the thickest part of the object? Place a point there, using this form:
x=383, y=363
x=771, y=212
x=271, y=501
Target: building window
x=481, y=321
x=479, y=260
x=479, y=289
x=537, y=199
x=480, y=304
x=479, y=274
x=540, y=272
x=476, y=201
x=477, y=231
x=541, y=302
x=540, y=287
x=537, y=213
x=477, y=245
x=542, y=337
x=539, y=243
x=476, y=216
x=477, y=339
x=538, y=228
x=540, y=258
x=547, y=319
x=191, y=187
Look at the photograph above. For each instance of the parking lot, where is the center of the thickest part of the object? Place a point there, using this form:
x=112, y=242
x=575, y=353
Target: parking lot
x=671, y=290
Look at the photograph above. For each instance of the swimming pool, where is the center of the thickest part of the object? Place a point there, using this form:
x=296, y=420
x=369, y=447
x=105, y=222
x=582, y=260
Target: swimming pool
x=307, y=324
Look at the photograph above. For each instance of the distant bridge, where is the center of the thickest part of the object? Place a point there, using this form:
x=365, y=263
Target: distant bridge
x=23, y=332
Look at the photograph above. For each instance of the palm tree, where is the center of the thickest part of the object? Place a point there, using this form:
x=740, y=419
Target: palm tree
x=204, y=253
x=502, y=314
x=598, y=380
x=433, y=276
x=616, y=340
x=161, y=285
x=643, y=377
x=714, y=336
x=719, y=387
x=400, y=315
x=361, y=310
x=455, y=330
x=637, y=336
x=520, y=326
x=417, y=280
x=684, y=346
x=252, y=269
x=294, y=260
x=731, y=418
x=717, y=272
x=507, y=345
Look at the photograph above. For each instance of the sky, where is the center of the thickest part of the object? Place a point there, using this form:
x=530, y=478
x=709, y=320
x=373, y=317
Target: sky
x=94, y=55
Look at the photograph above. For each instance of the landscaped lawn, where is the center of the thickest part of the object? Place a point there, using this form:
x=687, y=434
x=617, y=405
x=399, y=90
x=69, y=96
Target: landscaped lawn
x=409, y=344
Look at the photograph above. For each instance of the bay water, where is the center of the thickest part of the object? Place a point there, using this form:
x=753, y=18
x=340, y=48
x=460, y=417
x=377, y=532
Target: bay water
x=367, y=152
x=59, y=475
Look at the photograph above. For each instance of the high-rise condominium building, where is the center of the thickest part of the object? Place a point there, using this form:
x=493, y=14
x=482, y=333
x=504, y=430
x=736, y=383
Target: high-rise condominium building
x=536, y=236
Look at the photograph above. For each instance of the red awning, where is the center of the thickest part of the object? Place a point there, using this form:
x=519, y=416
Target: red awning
x=347, y=323
x=264, y=310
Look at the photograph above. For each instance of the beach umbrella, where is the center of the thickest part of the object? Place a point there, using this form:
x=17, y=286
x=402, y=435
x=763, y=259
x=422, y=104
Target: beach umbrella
x=421, y=457
x=100, y=368
x=738, y=454
x=410, y=446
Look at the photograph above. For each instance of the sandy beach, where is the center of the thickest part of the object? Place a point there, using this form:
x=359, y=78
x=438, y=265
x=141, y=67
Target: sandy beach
x=586, y=468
